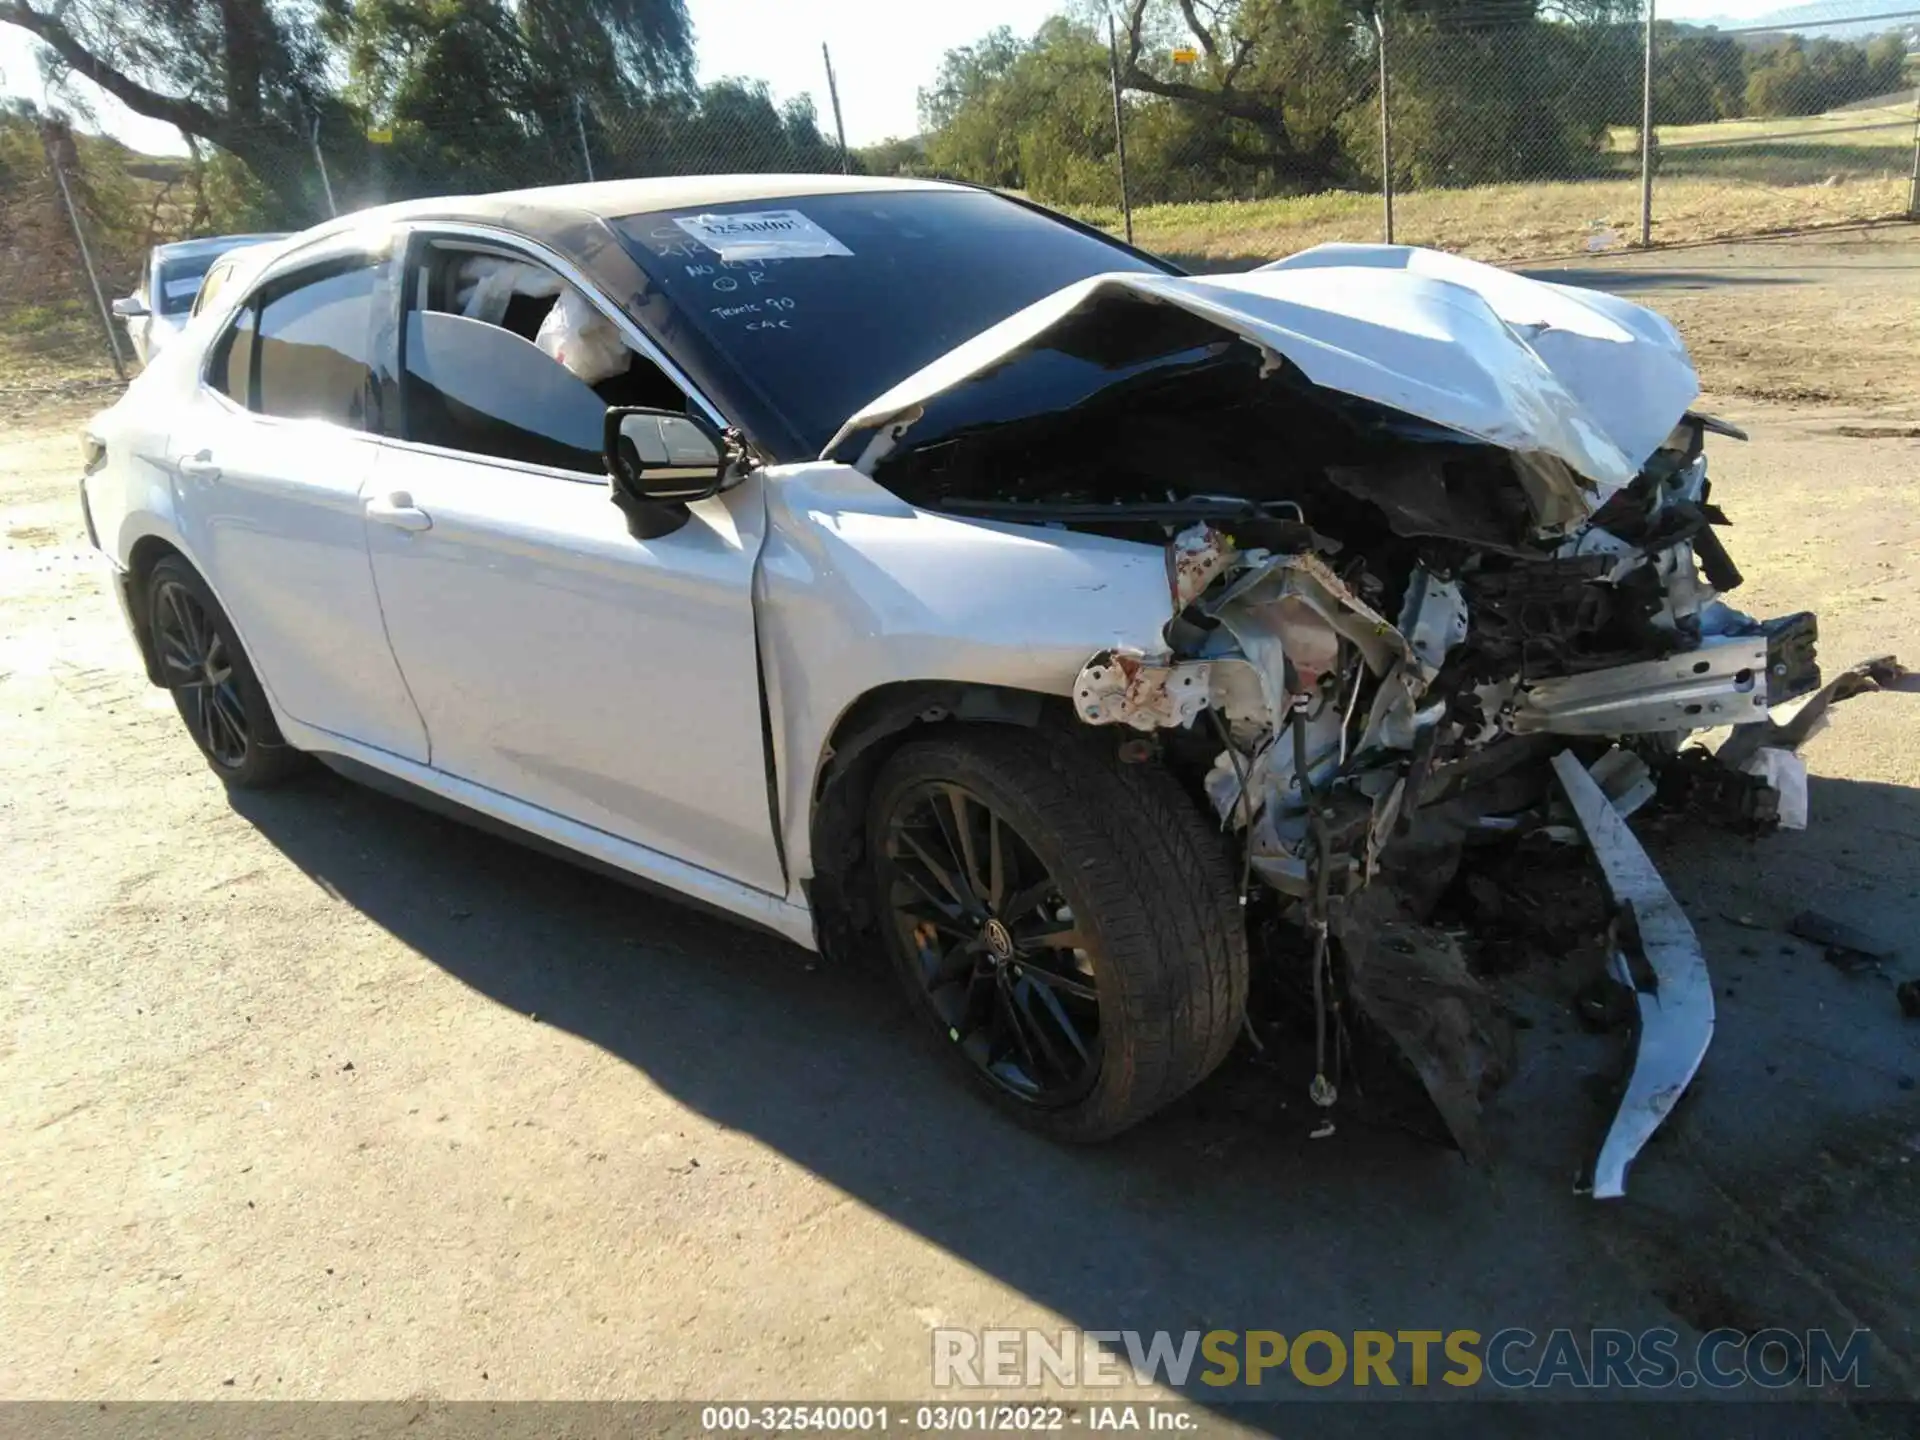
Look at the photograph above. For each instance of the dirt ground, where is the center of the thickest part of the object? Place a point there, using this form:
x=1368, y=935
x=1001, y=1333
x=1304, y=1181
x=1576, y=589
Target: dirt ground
x=311, y=1094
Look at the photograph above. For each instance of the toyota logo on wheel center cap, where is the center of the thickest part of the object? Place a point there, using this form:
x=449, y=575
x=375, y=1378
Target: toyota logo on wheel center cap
x=999, y=940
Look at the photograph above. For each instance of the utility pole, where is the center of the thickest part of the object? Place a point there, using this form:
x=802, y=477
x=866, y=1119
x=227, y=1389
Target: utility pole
x=55, y=139
x=1646, y=137
x=839, y=128
x=580, y=125
x=1913, y=180
x=1386, y=130
x=320, y=159
x=1119, y=127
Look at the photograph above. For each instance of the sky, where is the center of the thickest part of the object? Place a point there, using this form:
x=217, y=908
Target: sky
x=883, y=52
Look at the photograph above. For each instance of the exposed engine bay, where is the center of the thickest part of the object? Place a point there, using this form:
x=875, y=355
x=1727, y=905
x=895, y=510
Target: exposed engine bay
x=1444, y=571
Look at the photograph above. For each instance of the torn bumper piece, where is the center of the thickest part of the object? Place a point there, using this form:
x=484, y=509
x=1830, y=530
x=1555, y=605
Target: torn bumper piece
x=1659, y=958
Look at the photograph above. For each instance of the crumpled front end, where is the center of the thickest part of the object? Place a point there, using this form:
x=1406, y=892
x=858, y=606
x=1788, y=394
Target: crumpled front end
x=1376, y=709
x=1444, y=570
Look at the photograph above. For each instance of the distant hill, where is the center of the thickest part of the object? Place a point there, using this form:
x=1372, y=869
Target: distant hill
x=1832, y=20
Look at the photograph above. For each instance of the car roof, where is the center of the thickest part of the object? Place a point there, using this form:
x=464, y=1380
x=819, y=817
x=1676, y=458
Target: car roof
x=550, y=207
x=212, y=245
x=613, y=198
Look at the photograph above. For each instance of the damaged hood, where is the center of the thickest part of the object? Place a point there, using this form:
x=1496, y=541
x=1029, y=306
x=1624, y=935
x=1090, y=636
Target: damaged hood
x=1592, y=380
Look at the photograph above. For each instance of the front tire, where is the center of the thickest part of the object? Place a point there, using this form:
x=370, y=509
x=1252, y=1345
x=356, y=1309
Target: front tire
x=213, y=684
x=1067, y=925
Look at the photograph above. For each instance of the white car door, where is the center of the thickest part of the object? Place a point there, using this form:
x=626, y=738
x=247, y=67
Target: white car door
x=272, y=457
x=555, y=658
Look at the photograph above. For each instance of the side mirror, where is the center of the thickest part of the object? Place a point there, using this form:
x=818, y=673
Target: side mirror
x=130, y=307
x=659, y=462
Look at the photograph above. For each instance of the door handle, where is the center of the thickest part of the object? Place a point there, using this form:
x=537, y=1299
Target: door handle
x=199, y=467
x=399, y=511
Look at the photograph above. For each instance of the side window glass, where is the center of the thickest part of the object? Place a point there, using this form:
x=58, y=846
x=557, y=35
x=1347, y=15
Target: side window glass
x=475, y=387
x=503, y=358
x=230, y=371
x=210, y=287
x=315, y=349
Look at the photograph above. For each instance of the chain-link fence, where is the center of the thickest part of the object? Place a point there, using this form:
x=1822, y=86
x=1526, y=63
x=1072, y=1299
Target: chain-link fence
x=1756, y=129
x=1220, y=133
x=50, y=315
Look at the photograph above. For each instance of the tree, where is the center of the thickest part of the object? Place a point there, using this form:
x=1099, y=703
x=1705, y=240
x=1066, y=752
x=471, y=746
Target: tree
x=1484, y=90
x=1031, y=115
x=1886, y=63
x=1276, y=74
x=896, y=155
x=259, y=79
x=1792, y=76
x=1279, y=97
x=1697, y=77
x=238, y=73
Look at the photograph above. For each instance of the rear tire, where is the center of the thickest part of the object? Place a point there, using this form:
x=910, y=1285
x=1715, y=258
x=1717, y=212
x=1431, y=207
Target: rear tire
x=213, y=684
x=1115, y=991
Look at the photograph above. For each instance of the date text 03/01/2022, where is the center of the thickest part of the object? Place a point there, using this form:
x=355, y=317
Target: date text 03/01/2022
x=942, y=1418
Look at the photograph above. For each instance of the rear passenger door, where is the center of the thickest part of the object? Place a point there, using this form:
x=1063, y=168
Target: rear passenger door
x=271, y=462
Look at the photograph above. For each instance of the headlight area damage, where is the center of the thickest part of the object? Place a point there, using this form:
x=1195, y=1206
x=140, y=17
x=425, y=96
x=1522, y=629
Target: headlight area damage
x=1444, y=579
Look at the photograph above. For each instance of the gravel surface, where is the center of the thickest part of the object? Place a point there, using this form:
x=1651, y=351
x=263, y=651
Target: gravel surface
x=312, y=1094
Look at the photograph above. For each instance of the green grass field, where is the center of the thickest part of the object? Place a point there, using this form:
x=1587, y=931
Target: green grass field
x=1730, y=178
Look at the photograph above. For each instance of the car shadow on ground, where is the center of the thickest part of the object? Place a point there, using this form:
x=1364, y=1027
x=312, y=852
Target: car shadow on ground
x=1634, y=281
x=1219, y=1214
x=1570, y=272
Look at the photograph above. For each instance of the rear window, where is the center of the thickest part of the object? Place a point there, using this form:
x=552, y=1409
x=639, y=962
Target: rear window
x=231, y=369
x=820, y=303
x=315, y=350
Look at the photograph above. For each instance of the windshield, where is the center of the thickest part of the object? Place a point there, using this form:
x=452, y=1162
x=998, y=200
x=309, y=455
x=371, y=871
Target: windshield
x=820, y=303
x=178, y=281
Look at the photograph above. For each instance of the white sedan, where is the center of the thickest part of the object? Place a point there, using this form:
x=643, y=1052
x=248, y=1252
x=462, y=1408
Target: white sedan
x=170, y=284
x=894, y=564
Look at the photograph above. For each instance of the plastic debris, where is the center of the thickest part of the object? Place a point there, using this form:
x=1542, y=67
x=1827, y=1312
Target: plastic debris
x=1786, y=773
x=1625, y=778
x=1660, y=958
x=1837, y=935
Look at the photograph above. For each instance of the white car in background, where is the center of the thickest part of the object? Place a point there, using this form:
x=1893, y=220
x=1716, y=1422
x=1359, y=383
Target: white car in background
x=170, y=282
x=897, y=565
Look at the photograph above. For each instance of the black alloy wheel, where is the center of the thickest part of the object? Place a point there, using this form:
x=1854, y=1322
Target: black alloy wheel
x=1066, y=926
x=197, y=655
x=196, y=658
x=997, y=951
x=995, y=945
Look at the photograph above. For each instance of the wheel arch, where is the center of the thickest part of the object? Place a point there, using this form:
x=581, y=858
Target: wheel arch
x=147, y=550
x=145, y=553
x=870, y=729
